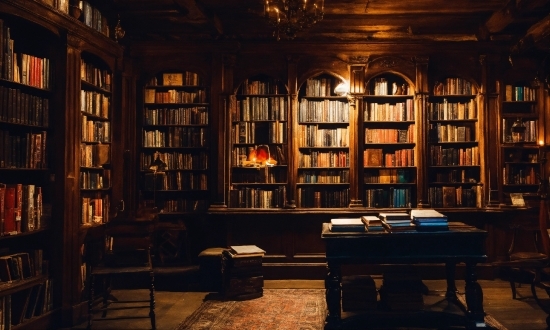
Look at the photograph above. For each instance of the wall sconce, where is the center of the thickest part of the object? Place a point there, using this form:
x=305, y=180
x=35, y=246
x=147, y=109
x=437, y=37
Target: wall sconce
x=342, y=89
x=119, y=31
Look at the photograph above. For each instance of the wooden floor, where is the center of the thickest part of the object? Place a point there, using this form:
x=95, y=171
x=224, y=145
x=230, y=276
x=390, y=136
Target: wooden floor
x=173, y=307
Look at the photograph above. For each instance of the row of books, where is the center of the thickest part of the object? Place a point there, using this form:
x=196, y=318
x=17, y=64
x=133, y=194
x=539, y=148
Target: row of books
x=177, y=160
x=449, y=110
x=95, y=131
x=95, y=155
x=181, y=181
x=23, y=150
x=95, y=210
x=453, y=86
x=314, y=136
x=321, y=87
x=19, y=107
x=261, y=175
x=313, y=197
x=519, y=93
x=389, y=135
x=391, y=197
x=95, y=104
x=530, y=134
x=174, y=96
x=400, y=175
x=184, y=205
x=95, y=180
x=323, y=176
x=400, y=111
x=454, y=196
x=22, y=265
x=243, y=156
x=314, y=158
x=186, y=78
x=21, y=208
x=520, y=174
x=21, y=306
x=377, y=157
x=452, y=133
x=326, y=111
x=440, y=156
x=245, y=132
x=92, y=17
x=260, y=108
x=383, y=86
x=247, y=197
x=416, y=219
x=91, y=74
x=19, y=67
x=176, y=116
x=176, y=137
x=468, y=175
x=257, y=87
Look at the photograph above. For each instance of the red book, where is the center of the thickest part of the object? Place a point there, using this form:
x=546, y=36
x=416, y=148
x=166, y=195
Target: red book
x=9, y=211
x=2, y=206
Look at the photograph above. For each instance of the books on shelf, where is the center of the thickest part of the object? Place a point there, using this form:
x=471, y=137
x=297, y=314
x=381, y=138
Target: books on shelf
x=347, y=224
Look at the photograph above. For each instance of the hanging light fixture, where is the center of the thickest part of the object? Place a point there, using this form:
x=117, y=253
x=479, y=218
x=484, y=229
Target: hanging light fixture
x=288, y=17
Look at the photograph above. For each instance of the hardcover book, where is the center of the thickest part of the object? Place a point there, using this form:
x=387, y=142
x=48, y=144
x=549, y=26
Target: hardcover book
x=347, y=224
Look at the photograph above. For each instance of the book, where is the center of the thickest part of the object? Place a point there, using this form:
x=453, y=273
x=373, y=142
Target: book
x=240, y=250
x=371, y=220
x=517, y=199
x=347, y=224
x=427, y=215
x=395, y=217
x=172, y=79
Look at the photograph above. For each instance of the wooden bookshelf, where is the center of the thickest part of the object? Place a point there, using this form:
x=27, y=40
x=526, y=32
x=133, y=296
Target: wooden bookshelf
x=175, y=130
x=323, y=150
x=389, y=143
x=453, y=151
x=26, y=193
x=259, y=144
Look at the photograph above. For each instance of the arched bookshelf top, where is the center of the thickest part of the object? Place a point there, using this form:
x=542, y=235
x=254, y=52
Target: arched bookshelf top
x=321, y=84
x=454, y=85
x=389, y=83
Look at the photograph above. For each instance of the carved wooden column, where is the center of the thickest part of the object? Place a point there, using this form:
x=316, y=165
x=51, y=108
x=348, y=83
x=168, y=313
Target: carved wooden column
x=357, y=89
x=222, y=89
x=420, y=104
x=490, y=115
x=292, y=66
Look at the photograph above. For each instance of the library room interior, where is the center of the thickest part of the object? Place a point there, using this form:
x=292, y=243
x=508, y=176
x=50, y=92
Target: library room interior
x=274, y=164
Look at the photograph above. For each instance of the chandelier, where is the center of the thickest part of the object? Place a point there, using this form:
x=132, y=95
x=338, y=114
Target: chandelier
x=291, y=16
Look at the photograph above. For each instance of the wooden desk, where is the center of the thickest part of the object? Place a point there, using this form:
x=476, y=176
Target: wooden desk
x=460, y=243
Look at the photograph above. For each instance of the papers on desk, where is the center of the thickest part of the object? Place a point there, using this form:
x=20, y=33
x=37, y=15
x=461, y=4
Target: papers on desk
x=347, y=224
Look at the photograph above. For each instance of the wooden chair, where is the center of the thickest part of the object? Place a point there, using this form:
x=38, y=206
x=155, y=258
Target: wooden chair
x=536, y=263
x=127, y=256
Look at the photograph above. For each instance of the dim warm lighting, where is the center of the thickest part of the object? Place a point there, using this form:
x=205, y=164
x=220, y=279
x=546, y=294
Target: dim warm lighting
x=342, y=89
x=291, y=16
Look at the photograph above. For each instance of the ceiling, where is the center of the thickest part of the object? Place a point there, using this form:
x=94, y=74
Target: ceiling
x=523, y=23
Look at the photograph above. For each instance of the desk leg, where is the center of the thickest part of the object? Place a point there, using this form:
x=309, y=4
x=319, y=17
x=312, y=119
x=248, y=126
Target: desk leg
x=474, y=298
x=333, y=294
x=450, y=269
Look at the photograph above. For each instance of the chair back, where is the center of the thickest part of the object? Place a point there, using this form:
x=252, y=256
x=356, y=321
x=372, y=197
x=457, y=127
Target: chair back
x=127, y=245
x=544, y=217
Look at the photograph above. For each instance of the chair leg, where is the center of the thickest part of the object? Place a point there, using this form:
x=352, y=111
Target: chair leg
x=152, y=301
x=513, y=287
x=106, y=294
x=90, y=300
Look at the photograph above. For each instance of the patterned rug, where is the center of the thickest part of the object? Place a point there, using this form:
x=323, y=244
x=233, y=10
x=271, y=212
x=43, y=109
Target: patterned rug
x=280, y=309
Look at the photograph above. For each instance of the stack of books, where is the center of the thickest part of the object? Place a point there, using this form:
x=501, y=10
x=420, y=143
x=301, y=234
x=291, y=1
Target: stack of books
x=402, y=291
x=347, y=225
x=242, y=272
x=372, y=223
x=358, y=293
x=396, y=221
x=429, y=220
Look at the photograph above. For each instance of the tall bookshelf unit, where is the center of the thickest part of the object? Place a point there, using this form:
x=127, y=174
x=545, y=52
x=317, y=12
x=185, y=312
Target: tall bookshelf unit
x=521, y=154
x=95, y=147
x=389, y=143
x=26, y=167
x=259, y=147
x=175, y=130
x=454, y=163
x=323, y=171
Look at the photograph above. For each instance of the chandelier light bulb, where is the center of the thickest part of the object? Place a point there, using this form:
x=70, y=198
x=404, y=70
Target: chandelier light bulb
x=288, y=17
